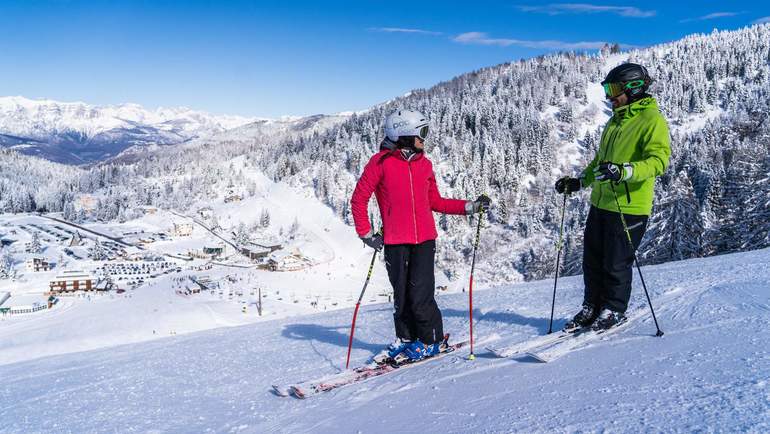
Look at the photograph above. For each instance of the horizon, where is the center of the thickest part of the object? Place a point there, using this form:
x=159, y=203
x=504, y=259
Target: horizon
x=307, y=68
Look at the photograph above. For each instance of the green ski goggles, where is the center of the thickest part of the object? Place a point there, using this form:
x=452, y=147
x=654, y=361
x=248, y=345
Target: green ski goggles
x=613, y=90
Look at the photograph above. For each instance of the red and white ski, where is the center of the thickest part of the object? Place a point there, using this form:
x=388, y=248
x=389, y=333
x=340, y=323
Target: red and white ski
x=310, y=388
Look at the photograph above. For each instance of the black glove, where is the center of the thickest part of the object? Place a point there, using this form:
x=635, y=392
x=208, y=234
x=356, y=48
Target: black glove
x=375, y=241
x=568, y=185
x=608, y=171
x=481, y=204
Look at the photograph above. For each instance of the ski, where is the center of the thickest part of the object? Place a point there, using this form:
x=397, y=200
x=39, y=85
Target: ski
x=310, y=388
x=281, y=391
x=552, y=351
x=527, y=345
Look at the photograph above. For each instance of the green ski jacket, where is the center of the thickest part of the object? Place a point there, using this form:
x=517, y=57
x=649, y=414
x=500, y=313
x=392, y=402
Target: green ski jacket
x=638, y=134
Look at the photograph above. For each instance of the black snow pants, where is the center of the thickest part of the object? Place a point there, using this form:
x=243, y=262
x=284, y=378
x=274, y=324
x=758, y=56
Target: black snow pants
x=607, y=258
x=410, y=269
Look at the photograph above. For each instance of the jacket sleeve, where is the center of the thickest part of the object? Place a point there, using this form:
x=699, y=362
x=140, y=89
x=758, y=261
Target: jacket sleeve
x=359, y=202
x=587, y=176
x=440, y=204
x=656, y=151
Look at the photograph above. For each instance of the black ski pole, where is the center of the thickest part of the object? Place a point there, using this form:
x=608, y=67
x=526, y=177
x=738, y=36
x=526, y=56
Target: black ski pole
x=470, y=284
x=636, y=261
x=558, y=260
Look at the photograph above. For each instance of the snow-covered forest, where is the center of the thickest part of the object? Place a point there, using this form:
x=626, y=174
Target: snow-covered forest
x=508, y=131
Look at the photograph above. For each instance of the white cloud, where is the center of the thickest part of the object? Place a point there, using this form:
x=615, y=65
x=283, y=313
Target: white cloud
x=762, y=20
x=403, y=30
x=479, y=38
x=711, y=16
x=585, y=8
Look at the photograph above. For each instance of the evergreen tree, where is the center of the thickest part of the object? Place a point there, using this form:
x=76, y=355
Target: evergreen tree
x=6, y=264
x=34, y=245
x=675, y=230
x=264, y=218
x=98, y=252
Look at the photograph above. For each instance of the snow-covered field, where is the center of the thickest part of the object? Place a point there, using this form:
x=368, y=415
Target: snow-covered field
x=709, y=373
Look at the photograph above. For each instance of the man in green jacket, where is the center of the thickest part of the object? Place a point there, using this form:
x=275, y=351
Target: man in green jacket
x=634, y=150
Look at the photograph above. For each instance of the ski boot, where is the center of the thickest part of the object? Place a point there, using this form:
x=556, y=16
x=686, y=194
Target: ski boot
x=417, y=351
x=584, y=318
x=390, y=353
x=608, y=319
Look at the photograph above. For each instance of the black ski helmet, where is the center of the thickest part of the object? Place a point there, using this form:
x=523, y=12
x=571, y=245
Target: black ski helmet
x=629, y=78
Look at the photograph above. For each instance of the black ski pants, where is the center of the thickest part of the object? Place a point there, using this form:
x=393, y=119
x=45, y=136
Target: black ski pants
x=608, y=259
x=410, y=269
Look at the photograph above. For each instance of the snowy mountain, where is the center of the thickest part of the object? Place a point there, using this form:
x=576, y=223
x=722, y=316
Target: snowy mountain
x=77, y=132
x=708, y=373
x=264, y=131
x=509, y=131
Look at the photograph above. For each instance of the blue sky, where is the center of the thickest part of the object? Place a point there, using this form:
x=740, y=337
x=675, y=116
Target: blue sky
x=272, y=58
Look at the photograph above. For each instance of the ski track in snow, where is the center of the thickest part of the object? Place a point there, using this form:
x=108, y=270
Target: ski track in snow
x=708, y=373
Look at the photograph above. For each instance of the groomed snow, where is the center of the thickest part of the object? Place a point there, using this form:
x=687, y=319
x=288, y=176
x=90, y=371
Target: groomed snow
x=708, y=373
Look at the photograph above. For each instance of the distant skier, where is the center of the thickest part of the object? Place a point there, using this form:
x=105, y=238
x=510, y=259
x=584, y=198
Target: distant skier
x=634, y=150
x=402, y=179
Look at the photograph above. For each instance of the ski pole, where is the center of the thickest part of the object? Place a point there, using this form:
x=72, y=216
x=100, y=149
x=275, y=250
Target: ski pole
x=470, y=285
x=558, y=260
x=636, y=261
x=358, y=304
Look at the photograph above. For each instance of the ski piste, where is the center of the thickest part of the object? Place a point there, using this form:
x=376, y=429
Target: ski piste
x=310, y=388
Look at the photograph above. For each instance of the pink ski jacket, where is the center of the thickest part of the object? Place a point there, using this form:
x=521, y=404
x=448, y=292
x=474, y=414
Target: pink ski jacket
x=406, y=194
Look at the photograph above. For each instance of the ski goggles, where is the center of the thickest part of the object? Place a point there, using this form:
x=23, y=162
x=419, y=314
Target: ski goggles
x=613, y=90
x=423, y=132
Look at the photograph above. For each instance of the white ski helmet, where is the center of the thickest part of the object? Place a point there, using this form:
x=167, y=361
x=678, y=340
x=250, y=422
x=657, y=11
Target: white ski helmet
x=403, y=123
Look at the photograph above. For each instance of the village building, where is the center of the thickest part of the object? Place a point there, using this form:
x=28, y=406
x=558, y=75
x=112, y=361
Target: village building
x=35, y=265
x=182, y=229
x=70, y=281
x=213, y=251
x=87, y=202
x=285, y=261
x=233, y=198
x=76, y=240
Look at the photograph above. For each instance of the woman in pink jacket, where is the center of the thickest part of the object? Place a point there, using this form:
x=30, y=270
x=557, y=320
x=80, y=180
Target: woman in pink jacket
x=402, y=179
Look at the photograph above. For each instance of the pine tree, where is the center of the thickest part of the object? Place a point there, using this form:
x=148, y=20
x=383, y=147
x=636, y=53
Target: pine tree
x=34, y=245
x=98, y=252
x=6, y=263
x=675, y=230
x=264, y=218
x=241, y=235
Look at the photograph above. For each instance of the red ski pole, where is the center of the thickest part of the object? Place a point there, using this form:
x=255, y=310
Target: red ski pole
x=358, y=304
x=470, y=285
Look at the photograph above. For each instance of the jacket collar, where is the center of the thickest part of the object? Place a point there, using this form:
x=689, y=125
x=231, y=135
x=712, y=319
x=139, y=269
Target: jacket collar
x=396, y=153
x=630, y=110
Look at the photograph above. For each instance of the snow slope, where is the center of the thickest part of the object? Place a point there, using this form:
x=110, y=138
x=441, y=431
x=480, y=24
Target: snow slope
x=708, y=373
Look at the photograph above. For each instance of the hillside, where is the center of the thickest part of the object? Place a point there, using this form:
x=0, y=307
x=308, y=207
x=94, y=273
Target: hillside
x=708, y=373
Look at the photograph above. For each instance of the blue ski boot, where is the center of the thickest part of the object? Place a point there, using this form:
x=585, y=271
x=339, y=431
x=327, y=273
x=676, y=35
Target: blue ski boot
x=418, y=351
x=391, y=352
x=398, y=347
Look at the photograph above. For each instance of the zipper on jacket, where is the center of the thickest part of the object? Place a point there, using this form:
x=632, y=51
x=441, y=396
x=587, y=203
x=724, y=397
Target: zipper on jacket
x=411, y=189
